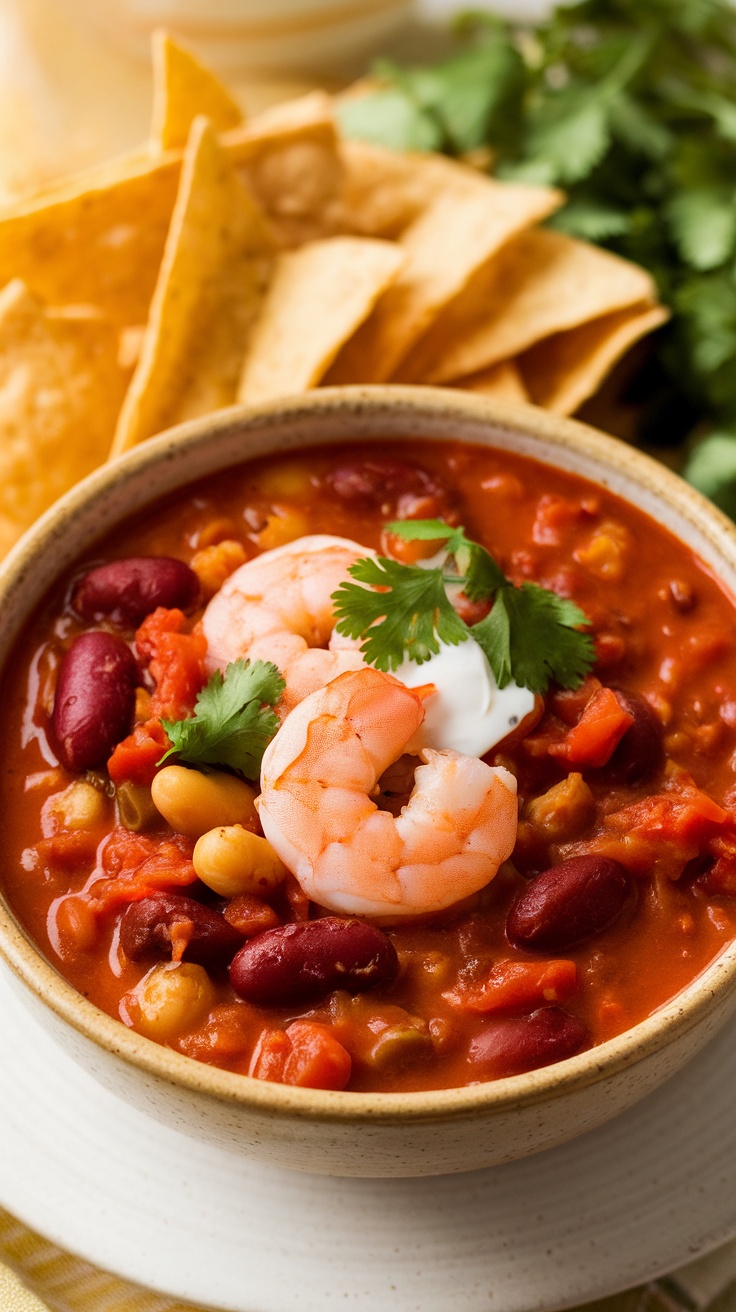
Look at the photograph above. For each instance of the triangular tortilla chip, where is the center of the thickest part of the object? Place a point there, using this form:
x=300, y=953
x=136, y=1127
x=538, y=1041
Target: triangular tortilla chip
x=317, y=298
x=385, y=190
x=209, y=288
x=98, y=239
x=502, y=380
x=60, y=391
x=289, y=157
x=459, y=231
x=182, y=89
x=541, y=283
x=563, y=371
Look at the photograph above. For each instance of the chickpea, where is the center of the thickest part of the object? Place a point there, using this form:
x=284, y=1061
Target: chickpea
x=172, y=998
x=193, y=802
x=232, y=861
x=80, y=806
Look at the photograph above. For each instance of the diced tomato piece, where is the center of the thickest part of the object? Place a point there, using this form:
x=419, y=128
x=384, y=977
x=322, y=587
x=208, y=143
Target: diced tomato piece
x=668, y=830
x=306, y=1054
x=269, y=1056
x=317, y=1060
x=519, y=986
x=176, y=662
x=67, y=851
x=568, y=704
x=135, y=759
x=134, y=866
x=595, y=737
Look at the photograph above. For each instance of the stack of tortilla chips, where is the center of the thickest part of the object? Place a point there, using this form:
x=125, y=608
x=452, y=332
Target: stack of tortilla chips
x=237, y=262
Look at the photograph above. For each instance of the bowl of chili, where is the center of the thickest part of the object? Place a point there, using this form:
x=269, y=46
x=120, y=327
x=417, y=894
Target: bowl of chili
x=458, y=1032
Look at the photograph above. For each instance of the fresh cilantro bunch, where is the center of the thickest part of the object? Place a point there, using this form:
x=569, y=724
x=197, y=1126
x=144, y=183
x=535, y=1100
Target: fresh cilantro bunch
x=233, y=719
x=530, y=635
x=630, y=105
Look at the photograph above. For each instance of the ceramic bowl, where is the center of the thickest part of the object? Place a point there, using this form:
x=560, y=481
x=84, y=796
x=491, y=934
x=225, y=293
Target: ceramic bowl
x=353, y=1133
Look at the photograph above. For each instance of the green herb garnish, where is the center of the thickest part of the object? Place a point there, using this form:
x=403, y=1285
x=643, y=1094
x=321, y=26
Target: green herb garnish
x=530, y=634
x=630, y=105
x=233, y=722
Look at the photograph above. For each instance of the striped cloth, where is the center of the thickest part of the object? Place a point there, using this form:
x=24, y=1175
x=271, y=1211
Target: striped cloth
x=36, y=1276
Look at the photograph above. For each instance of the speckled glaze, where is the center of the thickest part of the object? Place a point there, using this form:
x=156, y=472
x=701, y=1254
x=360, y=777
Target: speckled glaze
x=348, y=1133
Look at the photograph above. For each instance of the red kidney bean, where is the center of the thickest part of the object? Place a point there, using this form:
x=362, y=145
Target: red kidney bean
x=298, y=963
x=404, y=485
x=641, y=750
x=95, y=699
x=145, y=930
x=516, y=1044
x=568, y=904
x=125, y=591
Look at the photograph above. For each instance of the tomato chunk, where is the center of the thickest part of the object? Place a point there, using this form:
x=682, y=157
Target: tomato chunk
x=595, y=737
x=306, y=1054
x=519, y=986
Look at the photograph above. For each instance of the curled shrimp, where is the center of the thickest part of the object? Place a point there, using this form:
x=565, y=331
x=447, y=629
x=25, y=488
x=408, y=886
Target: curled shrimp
x=317, y=812
x=278, y=608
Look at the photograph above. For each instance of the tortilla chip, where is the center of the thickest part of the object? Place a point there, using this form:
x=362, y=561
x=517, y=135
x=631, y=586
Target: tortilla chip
x=503, y=381
x=98, y=239
x=182, y=89
x=541, y=283
x=563, y=371
x=60, y=391
x=210, y=285
x=289, y=157
x=385, y=190
x=318, y=297
x=461, y=229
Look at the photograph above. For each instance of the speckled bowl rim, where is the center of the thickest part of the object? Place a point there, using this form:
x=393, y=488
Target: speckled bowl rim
x=687, y=1010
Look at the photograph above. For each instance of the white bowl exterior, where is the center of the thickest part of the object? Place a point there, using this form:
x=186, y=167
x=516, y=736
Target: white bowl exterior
x=276, y=1124
x=280, y=36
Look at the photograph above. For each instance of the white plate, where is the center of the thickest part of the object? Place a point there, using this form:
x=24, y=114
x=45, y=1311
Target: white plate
x=614, y=1208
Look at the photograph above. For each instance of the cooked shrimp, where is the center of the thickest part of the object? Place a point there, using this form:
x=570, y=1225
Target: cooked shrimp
x=278, y=608
x=315, y=807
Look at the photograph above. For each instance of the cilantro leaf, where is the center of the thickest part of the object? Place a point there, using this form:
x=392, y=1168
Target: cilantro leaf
x=232, y=722
x=534, y=638
x=409, y=616
x=530, y=635
x=630, y=105
x=703, y=223
x=389, y=117
x=476, y=568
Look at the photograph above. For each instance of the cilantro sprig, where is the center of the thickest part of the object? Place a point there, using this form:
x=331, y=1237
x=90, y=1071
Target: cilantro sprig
x=530, y=635
x=233, y=720
x=409, y=616
x=630, y=106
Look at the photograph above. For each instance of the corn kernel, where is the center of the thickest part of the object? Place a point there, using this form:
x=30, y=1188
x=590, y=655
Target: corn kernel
x=214, y=564
x=605, y=553
x=284, y=524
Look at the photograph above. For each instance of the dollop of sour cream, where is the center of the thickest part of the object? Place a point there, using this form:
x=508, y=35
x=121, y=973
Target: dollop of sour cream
x=468, y=712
